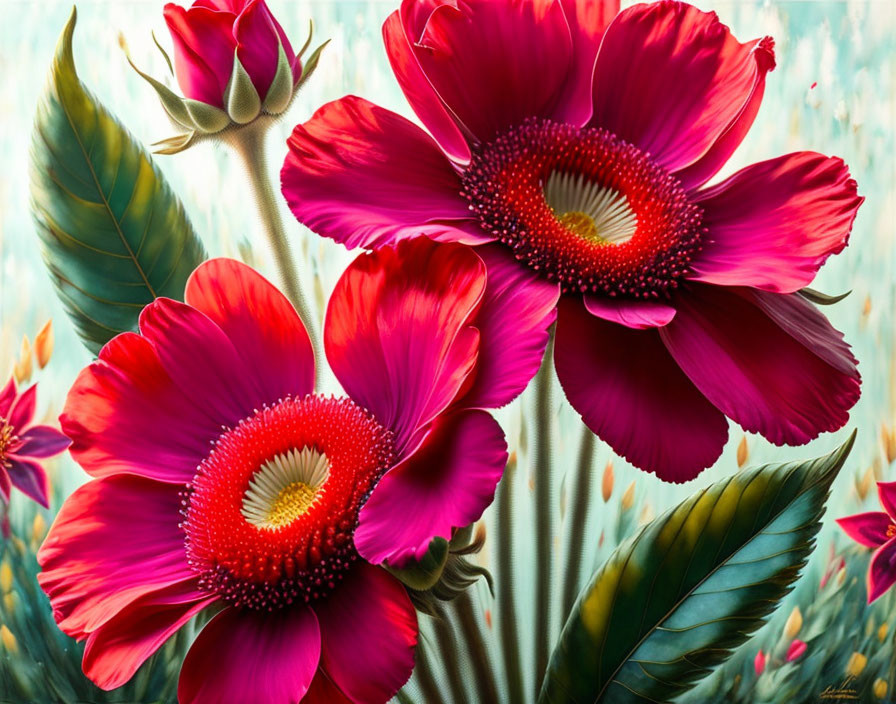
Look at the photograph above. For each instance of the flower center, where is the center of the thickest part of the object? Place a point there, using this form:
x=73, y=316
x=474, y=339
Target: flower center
x=584, y=208
x=285, y=488
x=270, y=515
x=7, y=440
x=891, y=531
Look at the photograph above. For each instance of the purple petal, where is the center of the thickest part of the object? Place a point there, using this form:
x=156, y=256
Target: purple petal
x=29, y=478
x=882, y=571
x=42, y=441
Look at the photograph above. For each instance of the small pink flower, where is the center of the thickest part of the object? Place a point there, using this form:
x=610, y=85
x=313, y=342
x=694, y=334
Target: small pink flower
x=877, y=529
x=578, y=143
x=759, y=663
x=23, y=445
x=224, y=480
x=210, y=35
x=796, y=650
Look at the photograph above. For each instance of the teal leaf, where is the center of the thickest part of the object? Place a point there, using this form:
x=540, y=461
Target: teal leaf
x=114, y=236
x=672, y=602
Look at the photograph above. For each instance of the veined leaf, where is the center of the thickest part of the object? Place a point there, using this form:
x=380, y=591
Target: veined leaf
x=673, y=601
x=114, y=234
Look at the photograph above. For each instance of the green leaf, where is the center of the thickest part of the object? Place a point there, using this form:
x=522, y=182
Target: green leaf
x=821, y=299
x=114, y=235
x=673, y=601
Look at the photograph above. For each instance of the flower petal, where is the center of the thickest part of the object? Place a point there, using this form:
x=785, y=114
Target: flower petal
x=886, y=492
x=587, y=21
x=29, y=478
x=203, y=51
x=125, y=414
x=22, y=412
x=368, y=630
x=366, y=177
x=42, y=441
x=7, y=396
x=124, y=642
x=672, y=80
x=882, y=570
x=419, y=91
x=494, y=63
x=262, y=324
x=446, y=483
x=632, y=395
x=324, y=691
x=788, y=376
x=202, y=360
x=397, y=332
x=517, y=309
x=773, y=224
x=639, y=315
x=113, y=541
x=868, y=529
x=258, y=37
x=252, y=657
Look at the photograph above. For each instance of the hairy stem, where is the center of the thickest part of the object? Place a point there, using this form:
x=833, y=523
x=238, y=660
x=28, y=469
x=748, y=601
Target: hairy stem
x=249, y=144
x=507, y=618
x=544, y=510
x=578, y=518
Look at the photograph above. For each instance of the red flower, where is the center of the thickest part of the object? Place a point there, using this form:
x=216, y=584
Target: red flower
x=223, y=478
x=877, y=530
x=214, y=34
x=23, y=445
x=577, y=145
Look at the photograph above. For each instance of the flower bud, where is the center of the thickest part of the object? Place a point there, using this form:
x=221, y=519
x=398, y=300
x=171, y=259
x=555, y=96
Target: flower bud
x=759, y=663
x=743, y=452
x=796, y=650
x=43, y=344
x=606, y=485
x=794, y=624
x=628, y=498
x=882, y=632
x=234, y=64
x=8, y=640
x=5, y=576
x=856, y=664
x=879, y=688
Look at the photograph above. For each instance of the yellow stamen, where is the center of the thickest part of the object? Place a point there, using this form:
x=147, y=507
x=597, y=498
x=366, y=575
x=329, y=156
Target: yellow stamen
x=581, y=224
x=891, y=531
x=293, y=500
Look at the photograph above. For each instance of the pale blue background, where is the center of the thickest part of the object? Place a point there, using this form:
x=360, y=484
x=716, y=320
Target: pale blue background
x=847, y=48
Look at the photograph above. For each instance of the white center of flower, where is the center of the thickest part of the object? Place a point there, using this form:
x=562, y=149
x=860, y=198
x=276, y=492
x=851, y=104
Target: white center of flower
x=593, y=211
x=284, y=488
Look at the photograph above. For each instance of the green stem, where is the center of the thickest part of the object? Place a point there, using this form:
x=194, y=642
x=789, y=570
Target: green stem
x=504, y=580
x=544, y=510
x=484, y=677
x=249, y=144
x=578, y=520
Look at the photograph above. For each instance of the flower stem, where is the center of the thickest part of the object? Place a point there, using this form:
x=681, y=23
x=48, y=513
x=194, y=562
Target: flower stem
x=575, y=557
x=249, y=144
x=544, y=510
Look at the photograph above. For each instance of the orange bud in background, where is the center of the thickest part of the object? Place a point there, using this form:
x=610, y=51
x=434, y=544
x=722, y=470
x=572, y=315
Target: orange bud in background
x=606, y=485
x=43, y=344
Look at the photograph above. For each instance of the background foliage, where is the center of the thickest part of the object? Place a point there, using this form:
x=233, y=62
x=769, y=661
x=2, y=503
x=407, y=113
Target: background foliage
x=833, y=91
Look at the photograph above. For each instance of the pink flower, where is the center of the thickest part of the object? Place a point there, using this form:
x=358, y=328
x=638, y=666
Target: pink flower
x=877, y=529
x=213, y=34
x=759, y=663
x=23, y=445
x=795, y=650
x=224, y=480
x=575, y=142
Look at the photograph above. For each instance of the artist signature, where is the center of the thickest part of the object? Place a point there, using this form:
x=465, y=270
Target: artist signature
x=844, y=690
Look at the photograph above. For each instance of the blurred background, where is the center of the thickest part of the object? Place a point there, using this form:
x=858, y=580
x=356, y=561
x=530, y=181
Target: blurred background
x=834, y=91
